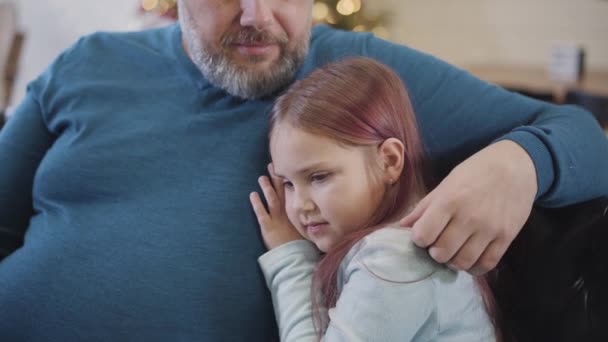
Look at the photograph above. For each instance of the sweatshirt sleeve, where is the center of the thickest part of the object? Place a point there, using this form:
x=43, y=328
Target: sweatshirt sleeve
x=387, y=293
x=288, y=270
x=459, y=114
x=23, y=142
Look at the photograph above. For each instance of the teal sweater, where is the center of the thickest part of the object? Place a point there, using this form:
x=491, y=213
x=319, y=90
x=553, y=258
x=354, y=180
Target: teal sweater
x=124, y=181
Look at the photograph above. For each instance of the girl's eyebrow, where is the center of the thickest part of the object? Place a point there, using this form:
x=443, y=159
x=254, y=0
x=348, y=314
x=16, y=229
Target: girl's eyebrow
x=306, y=169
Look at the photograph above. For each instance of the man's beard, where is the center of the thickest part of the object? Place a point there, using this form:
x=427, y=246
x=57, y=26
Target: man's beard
x=236, y=79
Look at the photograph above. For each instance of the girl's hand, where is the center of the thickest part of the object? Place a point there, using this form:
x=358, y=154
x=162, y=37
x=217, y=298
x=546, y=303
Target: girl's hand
x=274, y=224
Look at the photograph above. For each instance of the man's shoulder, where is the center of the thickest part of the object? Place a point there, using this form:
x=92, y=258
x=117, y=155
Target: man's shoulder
x=107, y=54
x=110, y=57
x=157, y=41
x=331, y=45
x=321, y=33
x=328, y=44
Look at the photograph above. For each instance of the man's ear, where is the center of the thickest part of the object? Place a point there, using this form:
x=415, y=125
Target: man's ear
x=390, y=154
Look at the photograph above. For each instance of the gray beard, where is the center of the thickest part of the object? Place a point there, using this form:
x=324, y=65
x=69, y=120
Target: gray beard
x=237, y=80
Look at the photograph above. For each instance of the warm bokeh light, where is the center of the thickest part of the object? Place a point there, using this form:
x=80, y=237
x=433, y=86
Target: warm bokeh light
x=381, y=32
x=160, y=6
x=330, y=19
x=350, y=15
x=164, y=6
x=320, y=11
x=149, y=5
x=348, y=7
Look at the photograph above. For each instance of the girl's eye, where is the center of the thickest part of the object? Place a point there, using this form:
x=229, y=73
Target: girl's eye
x=287, y=184
x=319, y=177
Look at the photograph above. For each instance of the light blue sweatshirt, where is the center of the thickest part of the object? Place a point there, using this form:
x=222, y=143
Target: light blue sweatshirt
x=390, y=290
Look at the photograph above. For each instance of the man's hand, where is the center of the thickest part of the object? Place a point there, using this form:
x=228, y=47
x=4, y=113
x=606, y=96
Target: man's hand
x=472, y=217
x=274, y=224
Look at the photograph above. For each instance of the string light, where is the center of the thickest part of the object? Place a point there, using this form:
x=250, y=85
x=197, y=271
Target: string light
x=340, y=13
x=149, y=5
x=381, y=32
x=348, y=7
x=320, y=11
x=349, y=15
x=161, y=6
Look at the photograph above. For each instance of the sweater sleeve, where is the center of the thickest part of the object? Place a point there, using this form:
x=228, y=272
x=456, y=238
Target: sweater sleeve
x=23, y=142
x=459, y=114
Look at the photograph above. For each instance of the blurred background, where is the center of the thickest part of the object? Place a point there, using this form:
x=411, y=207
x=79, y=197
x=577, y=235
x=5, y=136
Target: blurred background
x=556, y=50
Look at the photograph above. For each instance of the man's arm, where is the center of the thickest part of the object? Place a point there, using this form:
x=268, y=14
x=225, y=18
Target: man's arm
x=554, y=155
x=458, y=115
x=23, y=142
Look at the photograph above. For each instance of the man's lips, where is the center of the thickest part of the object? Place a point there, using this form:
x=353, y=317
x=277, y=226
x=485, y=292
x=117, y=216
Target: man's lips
x=255, y=49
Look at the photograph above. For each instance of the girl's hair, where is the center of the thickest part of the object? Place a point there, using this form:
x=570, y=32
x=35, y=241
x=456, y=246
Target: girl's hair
x=357, y=102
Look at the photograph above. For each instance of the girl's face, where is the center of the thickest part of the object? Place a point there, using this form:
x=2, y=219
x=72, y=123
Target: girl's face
x=329, y=188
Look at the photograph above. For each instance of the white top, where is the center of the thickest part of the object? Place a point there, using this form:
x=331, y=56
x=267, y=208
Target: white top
x=390, y=290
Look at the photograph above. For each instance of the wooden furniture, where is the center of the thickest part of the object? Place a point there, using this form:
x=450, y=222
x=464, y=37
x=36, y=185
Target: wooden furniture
x=11, y=41
x=591, y=92
x=536, y=80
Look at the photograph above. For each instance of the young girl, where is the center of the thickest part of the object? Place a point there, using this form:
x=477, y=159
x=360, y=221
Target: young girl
x=347, y=164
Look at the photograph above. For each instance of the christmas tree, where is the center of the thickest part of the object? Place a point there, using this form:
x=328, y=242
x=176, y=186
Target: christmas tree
x=343, y=14
x=348, y=15
x=163, y=8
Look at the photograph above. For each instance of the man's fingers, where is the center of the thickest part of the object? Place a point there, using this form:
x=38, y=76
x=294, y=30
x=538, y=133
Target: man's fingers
x=412, y=217
x=449, y=242
x=470, y=252
x=489, y=258
x=429, y=226
x=259, y=209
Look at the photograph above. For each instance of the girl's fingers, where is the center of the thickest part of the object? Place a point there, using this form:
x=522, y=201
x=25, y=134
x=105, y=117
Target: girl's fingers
x=277, y=182
x=270, y=168
x=258, y=209
x=274, y=203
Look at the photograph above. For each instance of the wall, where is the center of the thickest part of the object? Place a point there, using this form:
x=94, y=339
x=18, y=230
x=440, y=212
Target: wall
x=53, y=25
x=460, y=31
x=500, y=31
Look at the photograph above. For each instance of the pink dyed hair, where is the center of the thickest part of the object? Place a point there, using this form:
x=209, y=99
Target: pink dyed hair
x=357, y=102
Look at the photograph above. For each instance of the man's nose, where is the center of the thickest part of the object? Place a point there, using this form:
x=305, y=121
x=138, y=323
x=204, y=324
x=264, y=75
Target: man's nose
x=256, y=14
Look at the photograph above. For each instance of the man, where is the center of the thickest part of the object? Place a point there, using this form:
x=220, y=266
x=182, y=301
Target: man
x=126, y=169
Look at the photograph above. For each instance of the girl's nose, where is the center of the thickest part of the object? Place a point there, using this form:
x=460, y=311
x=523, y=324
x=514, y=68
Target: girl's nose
x=302, y=202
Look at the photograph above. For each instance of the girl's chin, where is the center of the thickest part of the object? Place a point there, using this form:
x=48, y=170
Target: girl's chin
x=323, y=246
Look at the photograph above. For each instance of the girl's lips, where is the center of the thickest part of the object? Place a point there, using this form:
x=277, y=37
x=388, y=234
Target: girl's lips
x=316, y=228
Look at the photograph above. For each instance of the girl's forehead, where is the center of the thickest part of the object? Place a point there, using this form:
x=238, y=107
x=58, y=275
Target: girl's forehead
x=293, y=150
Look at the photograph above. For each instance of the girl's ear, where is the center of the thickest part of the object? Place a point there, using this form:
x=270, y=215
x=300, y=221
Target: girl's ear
x=391, y=157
